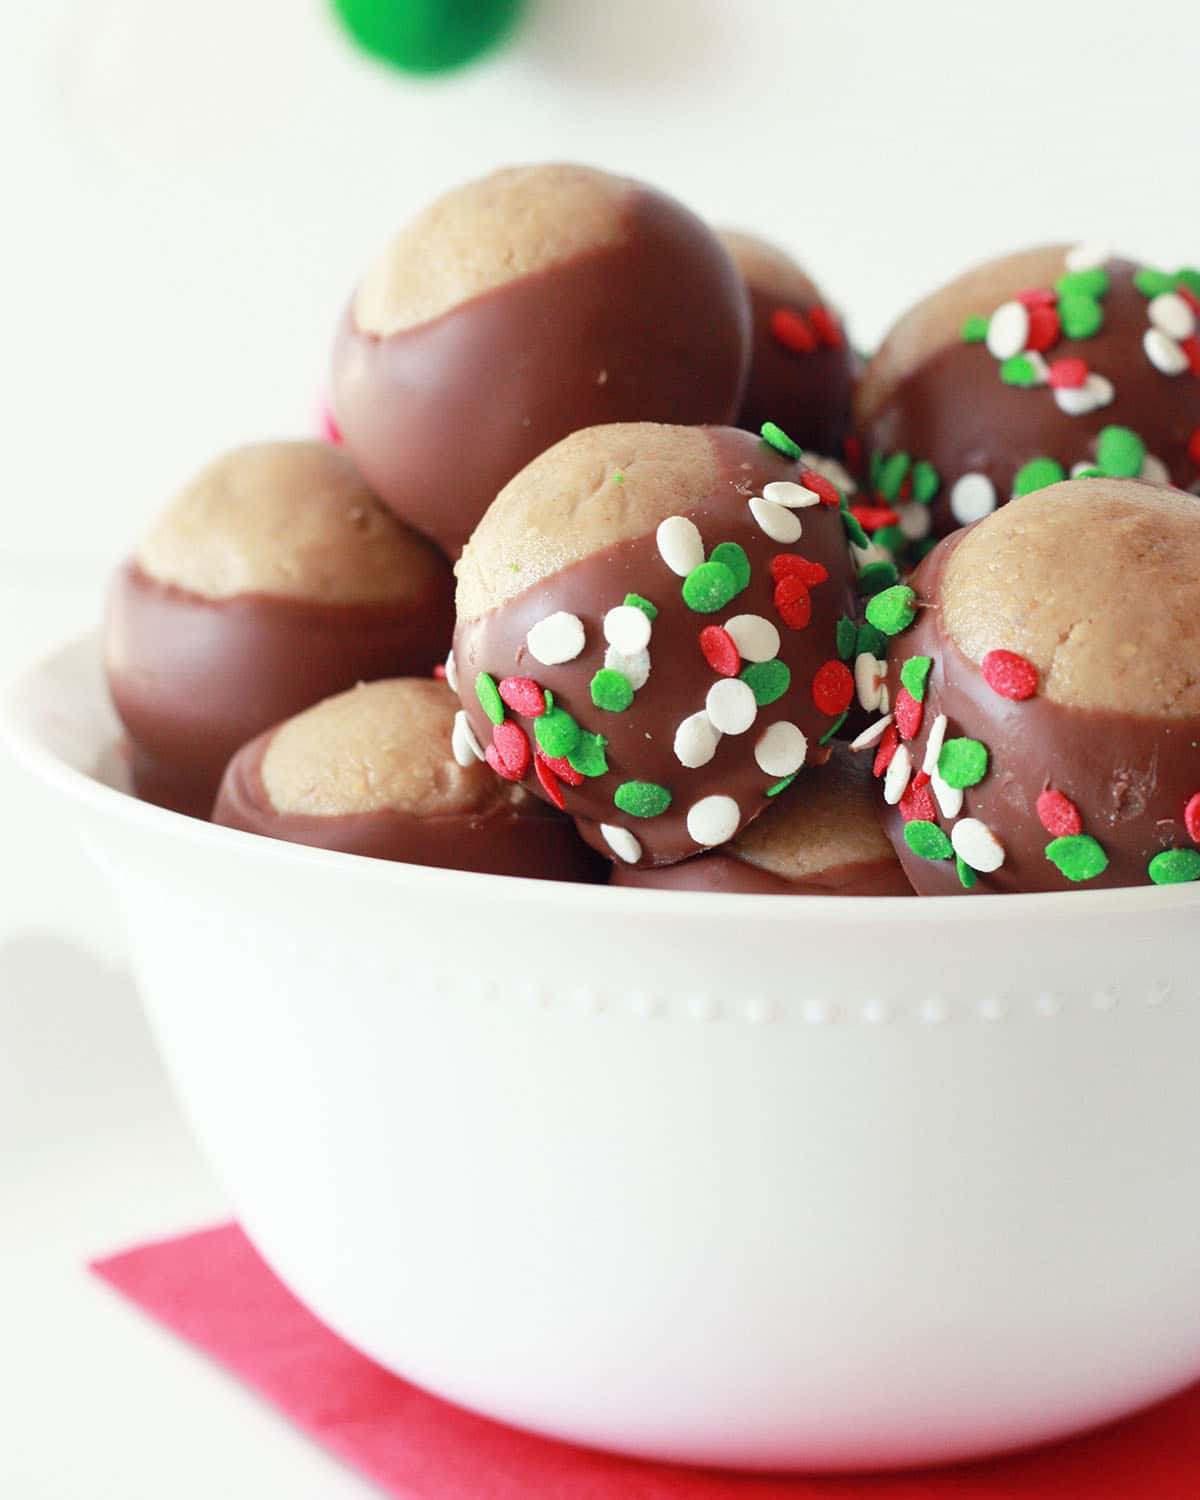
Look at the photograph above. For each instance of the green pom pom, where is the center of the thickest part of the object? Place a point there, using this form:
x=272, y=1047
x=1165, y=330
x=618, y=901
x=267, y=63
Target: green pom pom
x=642, y=799
x=709, y=588
x=1019, y=371
x=877, y=576
x=926, y=840
x=1078, y=856
x=926, y=481
x=489, y=697
x=1038, y=474
x=1121, y=453
x=767, y=680
x=776, y=438
x=611, y=690
x=637, y=602
x=974, y=329
x=556, y=732
x=1175, y=866
x=732, y=556
x=587, y=757
x=1081, y=316
x=894, y=610
x=428, y=36
x=963, y=762
x=914, y=675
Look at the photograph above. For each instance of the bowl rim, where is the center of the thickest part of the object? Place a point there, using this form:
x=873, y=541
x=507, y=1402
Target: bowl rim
x=20, y=733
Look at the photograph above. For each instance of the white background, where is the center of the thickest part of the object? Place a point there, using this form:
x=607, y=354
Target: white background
x=190, y=191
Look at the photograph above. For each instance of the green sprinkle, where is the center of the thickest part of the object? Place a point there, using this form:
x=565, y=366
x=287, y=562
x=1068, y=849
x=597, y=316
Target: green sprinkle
x=489, y=698
x=782, y=786
x=963, y=762
x=875, y=467
x=892, y=538
x=893, y=474
x=588, y=756
x=974, y=329
x=612, y=690
x=834, y=727
x=1088, y=474
x=926, y=840
x=966, y=876
x=1078, y=856
x=877, y=576
x=1175, y=866
x=1020, y=371
x=1153, y=283
x=709, y=587
x=872, y=640
x=556, y=732
x=733, y=556
x=894, y=610
x=635, y=601
x=926, y=481
x=1081, y=316
x=1038, y=474
x=858, y=537
x=914, y=675
x=618, y=477
x=1120, y=452
x=845, y=635
x=776, y=438
x=1090, y=283
x=767, y=680
x=1190, y=278
x=642, y=799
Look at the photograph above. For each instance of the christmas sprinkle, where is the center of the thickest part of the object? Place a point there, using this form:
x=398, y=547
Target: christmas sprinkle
x=696, y=741
x=1174, y=866
x=680, y=545
x=894, y=610
x=914, y=674
x=962, y=762
x=781, y=750
x=611, y=691
x=1058, y=815
x=720, y=651
x=927, y=841
x=731, y=705
x=622, y=843
x=713, y=820
x=556, y=639
x=709, y=588
x=767, y=680
x=1010, y=675
x=776, y=438
x=1078, y=856
x=731, y=555
x=642, y=799
x=489, y=698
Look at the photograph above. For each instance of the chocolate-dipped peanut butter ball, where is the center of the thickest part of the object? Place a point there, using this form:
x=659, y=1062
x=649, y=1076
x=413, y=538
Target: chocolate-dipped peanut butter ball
x=1044, y=732
x=822, y=838
x=648, y=632
x=802, y=368
x=1028, y=370
x=516, y=310
x=380, y=771
x=275, y=579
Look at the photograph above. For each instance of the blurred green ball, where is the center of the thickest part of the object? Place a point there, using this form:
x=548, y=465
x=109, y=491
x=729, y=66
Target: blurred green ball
x=428, y=36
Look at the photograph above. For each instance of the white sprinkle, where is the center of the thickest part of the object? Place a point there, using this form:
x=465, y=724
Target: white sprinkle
x=731, y=705
x=862, y=557
x=464, y=742
x=915, y=520
x=1154, y=471
x=680, y=544
x=627, y=628
x=869, y=674
x=1172, y=314
x=793, y=496
x=972, y=498
x=1008, y=330
x=782, y=749
x=885, y=699
x=635, y=667
x=622, y=843
x=976, y=845
x=1164, y=353
x=779, y=523
x=871, y=735
x=1087, y=256
x=949, y=798
x=713, y=820
x=1076, y=401
x=696, y=740
x=555, y=639
x=933, y=745
x=756, y=638
x=898, y=775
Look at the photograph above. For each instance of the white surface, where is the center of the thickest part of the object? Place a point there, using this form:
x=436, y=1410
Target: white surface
x=193, y=188
x=660, y=1188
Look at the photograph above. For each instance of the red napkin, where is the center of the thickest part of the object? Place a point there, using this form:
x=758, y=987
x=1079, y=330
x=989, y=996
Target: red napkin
x=213, y=1289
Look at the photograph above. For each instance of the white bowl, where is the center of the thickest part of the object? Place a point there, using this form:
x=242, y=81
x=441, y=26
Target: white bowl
x=762, y=1181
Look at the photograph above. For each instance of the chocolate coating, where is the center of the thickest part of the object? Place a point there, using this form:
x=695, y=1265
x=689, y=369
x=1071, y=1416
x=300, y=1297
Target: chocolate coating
x=1129, y=774
x=640, y=739
x=807, y=392
x=473, y=822
x=950, y=407
x=650, y=324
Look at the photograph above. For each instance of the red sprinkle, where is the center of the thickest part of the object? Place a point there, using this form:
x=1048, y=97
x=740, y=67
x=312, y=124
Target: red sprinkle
x=563, y=769
x=1058, y=814
x=826, y=327
x=1191, y=347
x=523, y=696
x=1191, y=817
x=888, y=746
x=1194, y=447
x=550, y=783
x=1068, y=374
x=719, y=651
x=789, y=329
x=875, y=517
x=1010, y=675
x=512, y=750
x=909, y=714
x=792, y=565
x=917, y=802
x=1189, y=297
x=793, y=602
x=1037, y=296
x=1044, y=329
x=823, y=488
x=440, y=671
x=833, y=688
